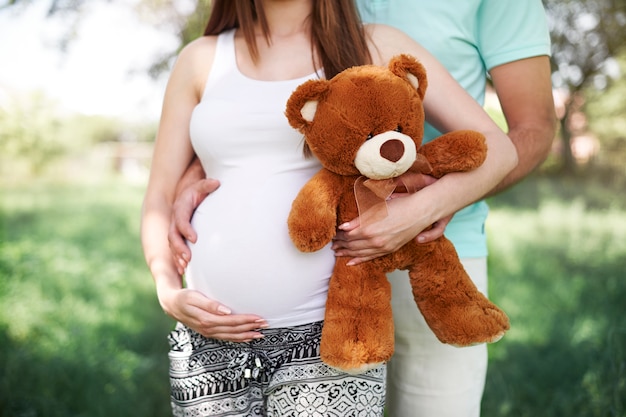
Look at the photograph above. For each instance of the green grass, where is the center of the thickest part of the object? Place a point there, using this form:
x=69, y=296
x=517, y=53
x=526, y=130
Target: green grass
x=558, y=267
x=81, y=332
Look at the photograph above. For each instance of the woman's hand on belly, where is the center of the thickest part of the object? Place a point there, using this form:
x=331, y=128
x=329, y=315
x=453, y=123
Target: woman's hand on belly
x=209, y=317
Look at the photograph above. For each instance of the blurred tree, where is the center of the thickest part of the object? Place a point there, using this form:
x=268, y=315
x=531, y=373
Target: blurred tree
x=184, y=18
x=8, y=3
x=587, y=36
x=607, y=110
x=30, y=132
x=607, y=119
x=69, y=10
x=35, y=133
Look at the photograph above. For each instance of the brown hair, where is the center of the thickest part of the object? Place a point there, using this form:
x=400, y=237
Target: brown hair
x=337, y=35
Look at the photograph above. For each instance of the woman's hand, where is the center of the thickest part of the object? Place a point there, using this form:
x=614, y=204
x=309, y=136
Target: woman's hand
x=403, y=223
x=388, y=235
x=209, y=317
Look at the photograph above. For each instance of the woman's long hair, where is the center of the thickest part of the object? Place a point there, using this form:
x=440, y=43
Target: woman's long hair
x=337, y=37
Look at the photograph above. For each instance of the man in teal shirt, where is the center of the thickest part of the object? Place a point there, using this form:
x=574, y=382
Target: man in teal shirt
x=509, y=42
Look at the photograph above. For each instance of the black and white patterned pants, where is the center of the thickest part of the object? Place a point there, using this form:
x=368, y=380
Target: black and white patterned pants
x=280, y=375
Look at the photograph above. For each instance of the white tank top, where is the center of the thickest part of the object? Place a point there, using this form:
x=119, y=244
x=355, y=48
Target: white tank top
x=244, y=257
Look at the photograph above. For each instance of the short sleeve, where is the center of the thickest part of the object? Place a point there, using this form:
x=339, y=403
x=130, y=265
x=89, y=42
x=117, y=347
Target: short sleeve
x=510, y=30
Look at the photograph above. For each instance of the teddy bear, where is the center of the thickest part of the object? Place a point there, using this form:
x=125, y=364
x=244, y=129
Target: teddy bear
x=365, y=126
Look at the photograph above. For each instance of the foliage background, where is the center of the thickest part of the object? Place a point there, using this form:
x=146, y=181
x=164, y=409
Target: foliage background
x=81, y=332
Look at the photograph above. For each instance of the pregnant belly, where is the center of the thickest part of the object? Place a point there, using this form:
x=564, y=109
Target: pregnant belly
x=245, y=259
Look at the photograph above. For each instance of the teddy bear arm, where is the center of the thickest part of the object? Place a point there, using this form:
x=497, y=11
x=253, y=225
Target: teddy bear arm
x=312, y=221
x=457, y=151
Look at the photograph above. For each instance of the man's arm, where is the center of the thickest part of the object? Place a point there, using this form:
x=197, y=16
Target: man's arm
x=193, y=173
x=524, y=89
x=191, y=190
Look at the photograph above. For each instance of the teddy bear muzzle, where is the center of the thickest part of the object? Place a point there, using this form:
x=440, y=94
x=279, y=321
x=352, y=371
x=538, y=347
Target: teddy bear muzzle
x=386, y=155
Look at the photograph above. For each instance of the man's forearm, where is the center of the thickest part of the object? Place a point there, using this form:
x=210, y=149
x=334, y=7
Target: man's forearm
x=193, y=173
x=533, y=146
x=524, y=89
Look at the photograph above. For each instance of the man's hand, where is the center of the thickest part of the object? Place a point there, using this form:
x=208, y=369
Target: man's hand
x=439, y=227
x=180, y=227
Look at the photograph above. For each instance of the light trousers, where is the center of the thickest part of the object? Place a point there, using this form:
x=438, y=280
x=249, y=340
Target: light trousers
x=426, y=378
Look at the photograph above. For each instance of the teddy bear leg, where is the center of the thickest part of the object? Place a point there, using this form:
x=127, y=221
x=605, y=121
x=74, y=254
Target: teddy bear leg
x=451, y=304
x=358, y=326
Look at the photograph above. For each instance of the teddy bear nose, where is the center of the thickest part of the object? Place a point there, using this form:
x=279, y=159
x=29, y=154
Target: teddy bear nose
x=392, y=150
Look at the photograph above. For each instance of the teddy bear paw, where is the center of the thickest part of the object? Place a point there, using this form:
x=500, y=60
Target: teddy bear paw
x=361, y=369
x=471, y=325
x=354, y=358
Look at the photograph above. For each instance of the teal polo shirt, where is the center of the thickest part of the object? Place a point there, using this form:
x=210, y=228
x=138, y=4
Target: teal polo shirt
x=469, y=37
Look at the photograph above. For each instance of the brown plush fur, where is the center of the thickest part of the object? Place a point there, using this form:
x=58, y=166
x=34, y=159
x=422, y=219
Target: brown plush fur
x=337, y=118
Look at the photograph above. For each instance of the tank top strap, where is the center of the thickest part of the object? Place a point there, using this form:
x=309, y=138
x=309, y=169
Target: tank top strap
x=224, y=61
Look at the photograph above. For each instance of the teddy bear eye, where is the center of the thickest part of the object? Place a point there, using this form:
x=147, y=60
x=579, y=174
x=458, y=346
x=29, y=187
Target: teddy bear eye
x=371, y=135
x=398, y=129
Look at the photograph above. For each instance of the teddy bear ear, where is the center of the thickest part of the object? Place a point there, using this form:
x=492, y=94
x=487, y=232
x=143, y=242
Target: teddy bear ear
x=407, y=67
x=302, y=105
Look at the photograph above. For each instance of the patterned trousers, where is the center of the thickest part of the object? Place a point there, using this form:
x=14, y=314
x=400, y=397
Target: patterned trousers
x=280, y=375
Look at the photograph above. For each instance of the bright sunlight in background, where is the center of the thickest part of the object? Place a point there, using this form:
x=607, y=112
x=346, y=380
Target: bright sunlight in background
x=103, y=70
x=81, y=329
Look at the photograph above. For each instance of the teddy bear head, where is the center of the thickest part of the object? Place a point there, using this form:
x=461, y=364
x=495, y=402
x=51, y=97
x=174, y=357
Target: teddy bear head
x=367, y=120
